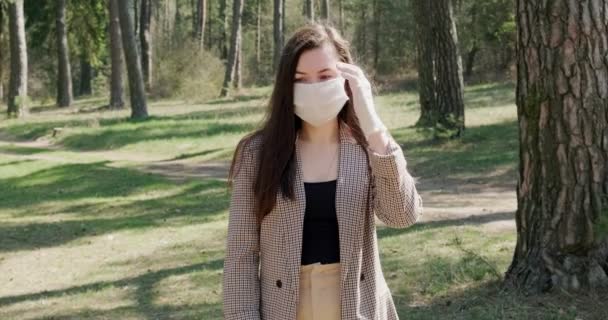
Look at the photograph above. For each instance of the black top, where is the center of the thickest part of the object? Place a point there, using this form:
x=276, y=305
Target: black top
x=320, y=242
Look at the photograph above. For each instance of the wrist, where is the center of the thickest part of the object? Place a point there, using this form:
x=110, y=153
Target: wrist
x=370, y=122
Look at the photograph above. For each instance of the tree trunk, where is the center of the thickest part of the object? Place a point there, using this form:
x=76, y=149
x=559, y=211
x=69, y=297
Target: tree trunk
x=377, y=28
x=258, y=36
x=470, y=61
x=17, y=91
x=278, y=31
x=325, y=11
x=426, y=72
x=1, y=53
x=237, y=69
x=449, y=83
x=201, y=20
x=64, y=75
x=135, y=16
x=209, y=27
x=145, y=38
x=86, y=75
x=224, y=30
x=341, y=16
x=139, y=108
x=562, y=107
x=235, y=44
x=116, y=79
x=309, y=9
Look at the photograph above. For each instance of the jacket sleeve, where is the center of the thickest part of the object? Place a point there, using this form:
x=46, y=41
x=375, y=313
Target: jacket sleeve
x=396, y=201
x=241, y=285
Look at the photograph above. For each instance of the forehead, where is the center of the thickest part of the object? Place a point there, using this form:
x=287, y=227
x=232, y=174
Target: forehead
x=317, y=59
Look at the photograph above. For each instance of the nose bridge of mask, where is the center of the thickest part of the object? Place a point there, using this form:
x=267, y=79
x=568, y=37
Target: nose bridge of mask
x=319, y=92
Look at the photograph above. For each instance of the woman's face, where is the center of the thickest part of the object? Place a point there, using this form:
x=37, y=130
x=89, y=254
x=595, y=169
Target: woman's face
x=316, y=65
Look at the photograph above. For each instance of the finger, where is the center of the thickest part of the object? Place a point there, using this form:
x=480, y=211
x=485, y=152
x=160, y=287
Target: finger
x=349, y=76
x=352, y=68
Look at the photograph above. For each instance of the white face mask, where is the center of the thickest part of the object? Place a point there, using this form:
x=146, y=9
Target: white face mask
x=319, y=102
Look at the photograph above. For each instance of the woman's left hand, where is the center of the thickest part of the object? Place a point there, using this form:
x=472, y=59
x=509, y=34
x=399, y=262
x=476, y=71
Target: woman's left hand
x=363, y=101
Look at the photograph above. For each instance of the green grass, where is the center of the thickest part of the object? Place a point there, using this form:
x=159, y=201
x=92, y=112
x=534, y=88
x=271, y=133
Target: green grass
x=85, y=232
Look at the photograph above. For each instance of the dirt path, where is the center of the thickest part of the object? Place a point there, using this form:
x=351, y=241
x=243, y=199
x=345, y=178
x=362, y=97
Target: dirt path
x=490, y=203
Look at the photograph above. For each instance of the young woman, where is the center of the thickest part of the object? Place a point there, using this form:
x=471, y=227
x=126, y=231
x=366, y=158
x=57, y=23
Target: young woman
x=306, y=187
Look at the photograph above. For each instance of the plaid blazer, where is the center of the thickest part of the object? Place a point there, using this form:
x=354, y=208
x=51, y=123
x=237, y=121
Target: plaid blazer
x=262, y=264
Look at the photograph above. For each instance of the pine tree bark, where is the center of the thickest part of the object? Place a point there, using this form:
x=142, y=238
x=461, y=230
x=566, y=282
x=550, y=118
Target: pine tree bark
x=449, y=83
x=235, y=46
x=139, y=108
x=64, y=75
x=145, y=38
x=17, y=91
x=425, y=62
x=279, y=11
x=562, y=107
x=116, y=56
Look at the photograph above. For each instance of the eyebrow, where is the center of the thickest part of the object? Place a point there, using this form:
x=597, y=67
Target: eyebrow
x=322, y=70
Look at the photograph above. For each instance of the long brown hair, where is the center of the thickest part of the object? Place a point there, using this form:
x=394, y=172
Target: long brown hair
x=276, y=155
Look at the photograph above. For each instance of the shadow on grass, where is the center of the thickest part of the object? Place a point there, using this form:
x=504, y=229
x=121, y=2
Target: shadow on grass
x=144, y=296
x=112, y=138
x=482, y=150
x=196, y=202
x=15, y=162
x=21, y=150
x=386, y=232
x=238, y=98
x=490, y=300
x=490, y=95
x=120, y=131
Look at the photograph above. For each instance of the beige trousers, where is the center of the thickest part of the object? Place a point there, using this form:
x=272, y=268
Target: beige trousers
x=319, y=292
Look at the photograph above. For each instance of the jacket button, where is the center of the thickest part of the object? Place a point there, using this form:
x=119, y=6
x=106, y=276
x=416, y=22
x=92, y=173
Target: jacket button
x=279, y=283
x=362, y=277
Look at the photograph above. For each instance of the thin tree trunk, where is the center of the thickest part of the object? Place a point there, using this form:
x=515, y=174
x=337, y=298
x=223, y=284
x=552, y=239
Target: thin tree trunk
x=258, y=36
x=1, y=53
x=235, y=44
x=116, y=54
x=136, y=16
x=426, y=72
x=562, y=191
x=448, y=66
x=325, y=11
x=309, y=9
x=341, y=15
x=64, y=75
x=468, y=70
x=139, y=108
x=278, y=31
x=377, y=27
x=224, y=30
x=17, y=91
x=145, y=37
x=209, y=28
x=86, y=74
x=237, y=69
x=201, y=20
